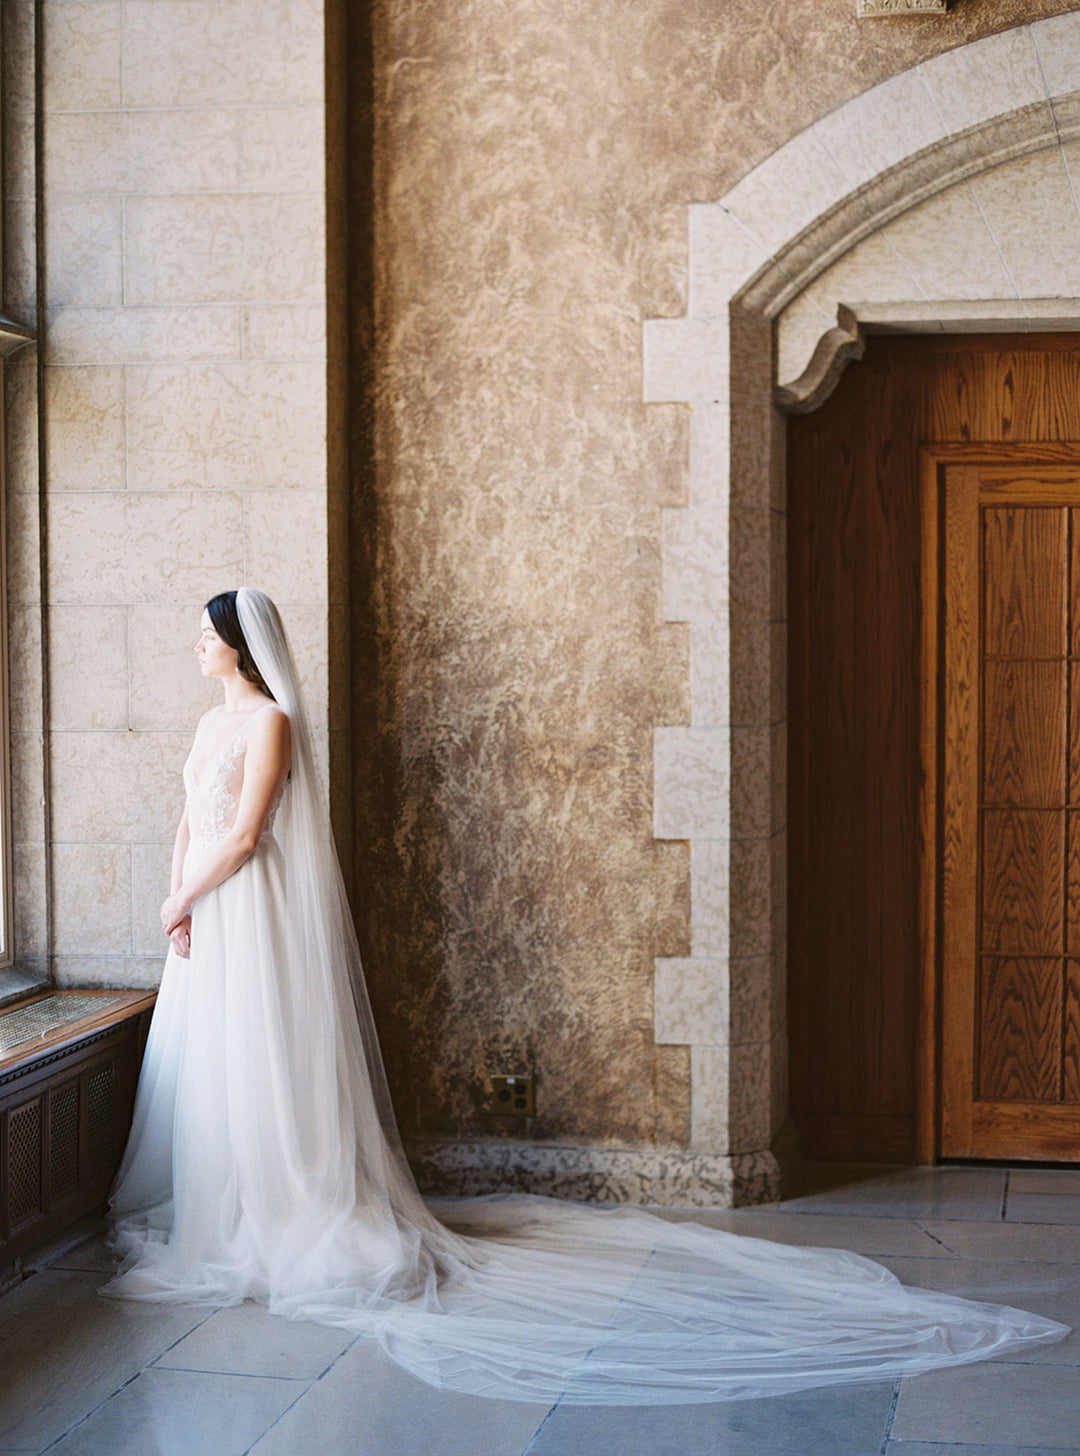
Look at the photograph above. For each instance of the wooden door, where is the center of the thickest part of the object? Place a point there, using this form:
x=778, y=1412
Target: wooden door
x=1009, y=796
x=874, y=1070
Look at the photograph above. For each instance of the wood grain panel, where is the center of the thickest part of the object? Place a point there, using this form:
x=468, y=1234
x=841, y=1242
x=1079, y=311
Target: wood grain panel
x=1022, y=544
x=857, y=573
x=1024, y=706
x=1019, y=1030
x=1072, y=884
x=1023, y=868
x=1070, y=1035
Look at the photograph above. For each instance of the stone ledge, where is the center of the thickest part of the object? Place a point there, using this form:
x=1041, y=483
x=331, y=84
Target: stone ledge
x=667, y=1178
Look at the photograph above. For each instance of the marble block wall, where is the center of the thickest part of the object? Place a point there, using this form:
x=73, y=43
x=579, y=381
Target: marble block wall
x=184, y=409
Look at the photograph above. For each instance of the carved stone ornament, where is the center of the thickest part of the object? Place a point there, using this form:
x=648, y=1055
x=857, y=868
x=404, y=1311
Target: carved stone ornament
x=868, y=9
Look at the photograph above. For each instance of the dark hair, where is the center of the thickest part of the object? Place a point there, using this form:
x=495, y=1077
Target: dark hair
x=226, y=623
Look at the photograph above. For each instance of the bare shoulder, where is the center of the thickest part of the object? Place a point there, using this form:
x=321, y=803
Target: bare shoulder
x=270, y=731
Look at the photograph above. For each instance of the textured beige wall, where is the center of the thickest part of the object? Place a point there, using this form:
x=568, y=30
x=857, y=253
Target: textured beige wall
x=184, y=407
x=533, y=168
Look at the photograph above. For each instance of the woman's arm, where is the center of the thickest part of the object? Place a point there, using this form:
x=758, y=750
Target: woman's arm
x=180, y=935
x=266, y=762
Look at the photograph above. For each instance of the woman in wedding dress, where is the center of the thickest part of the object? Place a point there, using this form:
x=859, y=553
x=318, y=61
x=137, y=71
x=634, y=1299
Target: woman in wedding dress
x=264, y=1162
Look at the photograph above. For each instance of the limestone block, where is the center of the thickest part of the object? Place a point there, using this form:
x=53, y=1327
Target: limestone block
x=24, y=666
x=924, y=239
x=723, y=257
x=163, y=546
x=27, y=777
x=750, y=1092
x=20, y=263
x=225, y=425
x=863, y=136
x=88, y=687
x=287, y=331
x=709, y=1074
x=692, y=775
x=167, y=692
x=282, y=148
x=143, y=151
x=690, y=1002
x=711, y=679
x=84, y=428
x=751, y=995
x=150, y=865
x=285, y=544
x=83, y=236
x=710, y=897
x=685, y=360
x=1057, y=41
x=91, y=899
x=787, y=192
x=695, y=555
x=985, y=79
x=752, y=896
x=127, y=973
x=22, y=529
x=30, y=930
x=1011, y=197
x=117, y=787
x=710, y=454
x=143, y=335
x=751, y=780
x=215, y=249
x=222, y=52
x=81, y=56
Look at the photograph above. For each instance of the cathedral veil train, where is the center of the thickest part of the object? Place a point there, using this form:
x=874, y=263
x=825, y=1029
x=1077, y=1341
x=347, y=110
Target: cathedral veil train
x=264, y=1162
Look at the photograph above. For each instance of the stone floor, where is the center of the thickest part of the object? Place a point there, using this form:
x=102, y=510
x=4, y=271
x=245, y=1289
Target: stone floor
x=83, y=1376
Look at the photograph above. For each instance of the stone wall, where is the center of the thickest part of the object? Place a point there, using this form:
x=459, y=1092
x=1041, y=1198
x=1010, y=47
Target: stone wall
x=184, y=407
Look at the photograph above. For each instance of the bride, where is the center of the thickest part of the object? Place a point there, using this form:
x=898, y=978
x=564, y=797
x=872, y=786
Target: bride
x=264, y=1162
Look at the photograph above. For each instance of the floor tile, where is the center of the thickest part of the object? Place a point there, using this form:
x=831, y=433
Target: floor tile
x=1044, y=1180
x=91, y=1253
x=1021, y=1405
x=845, y=1421
x=367, y=1406
x=1044, y=1243
x=934, y=1448
x=245, y=1340
x=1043, y=1208
x=179, y=1413
x=922, y=1193
x=870, y=1236
x=64, y=1349
x=1052, y=1290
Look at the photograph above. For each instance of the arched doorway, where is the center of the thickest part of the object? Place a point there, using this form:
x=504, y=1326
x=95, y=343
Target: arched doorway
x=877, y=208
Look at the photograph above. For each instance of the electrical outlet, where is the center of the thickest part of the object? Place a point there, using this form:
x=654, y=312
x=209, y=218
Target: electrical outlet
x=513, y=1096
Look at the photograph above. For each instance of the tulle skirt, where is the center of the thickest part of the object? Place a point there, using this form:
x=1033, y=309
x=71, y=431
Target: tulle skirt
x=257, y=1169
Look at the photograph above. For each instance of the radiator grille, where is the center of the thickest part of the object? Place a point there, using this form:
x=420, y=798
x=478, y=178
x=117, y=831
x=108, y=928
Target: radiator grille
x=63, y=1142
x=27, y=1023
x=24, y=1145
x=101, y=1126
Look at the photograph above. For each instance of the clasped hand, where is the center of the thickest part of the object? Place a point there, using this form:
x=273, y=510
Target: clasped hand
x=176, y=923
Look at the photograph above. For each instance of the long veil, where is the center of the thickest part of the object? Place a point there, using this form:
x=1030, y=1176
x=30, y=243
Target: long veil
x=525, y=1297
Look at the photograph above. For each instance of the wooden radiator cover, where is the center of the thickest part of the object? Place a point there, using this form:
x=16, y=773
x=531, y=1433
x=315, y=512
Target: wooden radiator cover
x=66, y=1095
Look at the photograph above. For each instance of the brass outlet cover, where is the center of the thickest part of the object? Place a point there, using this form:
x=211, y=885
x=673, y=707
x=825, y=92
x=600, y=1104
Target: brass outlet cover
x=513, y=1096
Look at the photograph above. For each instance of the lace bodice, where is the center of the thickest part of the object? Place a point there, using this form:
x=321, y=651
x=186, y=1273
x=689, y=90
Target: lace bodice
x=214, y=796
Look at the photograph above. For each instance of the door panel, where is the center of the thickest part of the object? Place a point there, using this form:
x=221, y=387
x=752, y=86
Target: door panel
x=865, y=943
x=1010, y=837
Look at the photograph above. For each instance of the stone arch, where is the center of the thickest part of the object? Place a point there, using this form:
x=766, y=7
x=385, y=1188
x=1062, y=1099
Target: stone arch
x=847, y=227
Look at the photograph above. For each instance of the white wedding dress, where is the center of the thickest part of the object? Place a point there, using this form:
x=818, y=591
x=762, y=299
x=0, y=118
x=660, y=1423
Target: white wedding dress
x=263, y=1163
